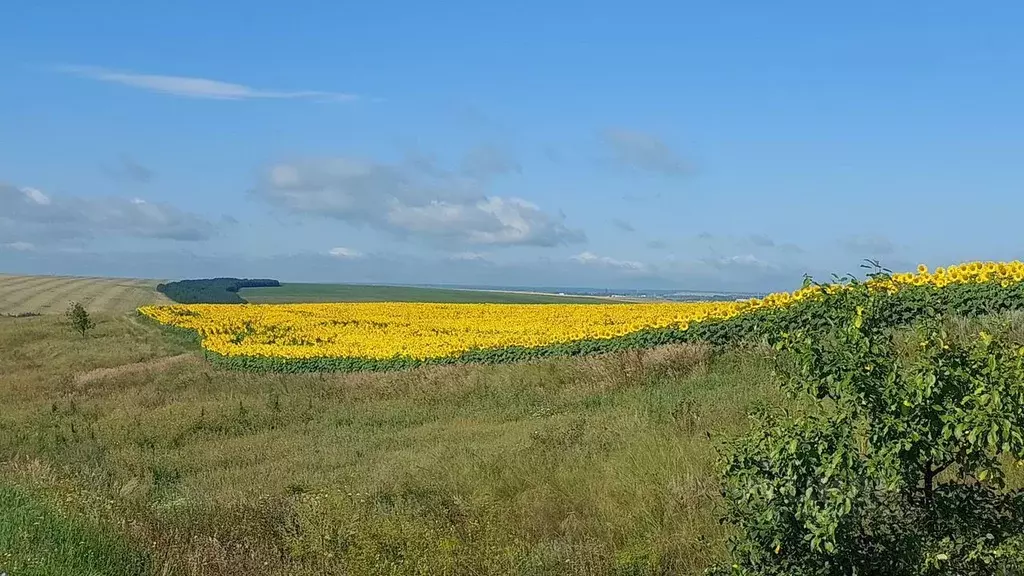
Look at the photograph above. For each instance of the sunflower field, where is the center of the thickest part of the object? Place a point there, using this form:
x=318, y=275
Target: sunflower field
x=390, y=335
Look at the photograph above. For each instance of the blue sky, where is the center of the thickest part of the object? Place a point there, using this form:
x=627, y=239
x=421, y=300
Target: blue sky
x=727, y=145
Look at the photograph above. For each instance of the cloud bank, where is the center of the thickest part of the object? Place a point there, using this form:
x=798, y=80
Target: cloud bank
x=36, y=217
x=414, y=199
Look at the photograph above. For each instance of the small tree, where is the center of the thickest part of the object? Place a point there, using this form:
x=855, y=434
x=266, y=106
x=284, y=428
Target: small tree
x=79, y=318
x=890, y=459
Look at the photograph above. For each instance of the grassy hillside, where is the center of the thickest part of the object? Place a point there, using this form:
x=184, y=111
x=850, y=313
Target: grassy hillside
x=51, y=294
x=369, y=293
x=600, y=465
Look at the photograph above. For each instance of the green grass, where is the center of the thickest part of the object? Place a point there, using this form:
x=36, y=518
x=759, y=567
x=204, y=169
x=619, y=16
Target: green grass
x=36, y=539
x=598, y=465
x=293, y=293
x=601, y=465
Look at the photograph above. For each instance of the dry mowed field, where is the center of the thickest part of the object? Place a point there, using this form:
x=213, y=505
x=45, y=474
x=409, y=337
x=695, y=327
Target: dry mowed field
x=51, y=294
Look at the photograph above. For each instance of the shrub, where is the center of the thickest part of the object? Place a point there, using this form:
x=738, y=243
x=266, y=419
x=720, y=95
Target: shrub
x=78, y=318
x=890, y=461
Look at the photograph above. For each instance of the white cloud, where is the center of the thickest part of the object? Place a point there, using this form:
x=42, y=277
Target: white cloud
x=202, y=88
x=284, y=176
x=19, y=246
x=345, y=253
x=414, y=198
x=739, y=261
x=36, y=196
x=591, y=259
x=469, y=257
x=32, y=214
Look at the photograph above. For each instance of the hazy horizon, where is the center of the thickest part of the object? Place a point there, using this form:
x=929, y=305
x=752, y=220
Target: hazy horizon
x=310, y=269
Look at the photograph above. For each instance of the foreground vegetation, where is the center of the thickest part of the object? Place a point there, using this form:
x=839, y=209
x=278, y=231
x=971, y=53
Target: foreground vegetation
x=590, y=466
x=115, y=464
x=893, y=452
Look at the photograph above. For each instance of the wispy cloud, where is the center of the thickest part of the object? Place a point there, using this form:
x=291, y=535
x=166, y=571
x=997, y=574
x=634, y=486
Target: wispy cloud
x=868, y=245
x=738, y=261
x=591, y=259
x=469, y=257
x=19, y=246
x=345, y=253
x=761, y=240
x=487, y=161
x=129, y=169
x=644, y=152
x=623, y=225
x=201, y=88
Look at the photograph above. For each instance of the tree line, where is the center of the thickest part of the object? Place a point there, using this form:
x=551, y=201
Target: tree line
x=212, y=290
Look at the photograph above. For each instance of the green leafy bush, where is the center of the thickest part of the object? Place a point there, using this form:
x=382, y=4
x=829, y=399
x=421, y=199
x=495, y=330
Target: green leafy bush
x=890, y=459
x=78, y=318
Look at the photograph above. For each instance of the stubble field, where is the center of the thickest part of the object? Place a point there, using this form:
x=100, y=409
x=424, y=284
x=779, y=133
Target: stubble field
x=50, y=294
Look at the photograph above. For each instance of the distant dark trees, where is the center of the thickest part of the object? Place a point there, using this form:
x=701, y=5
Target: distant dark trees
x=212, y=290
